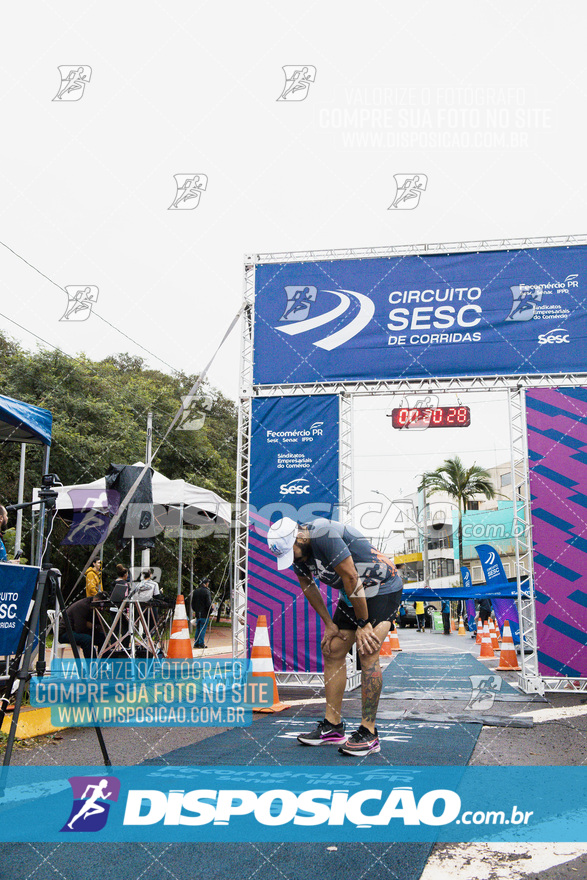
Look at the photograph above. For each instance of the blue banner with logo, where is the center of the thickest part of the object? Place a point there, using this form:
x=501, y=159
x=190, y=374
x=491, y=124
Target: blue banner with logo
x=17, y=585
x=294, y=456
x=309, y=804
x=505, y=609
x=466, y=576
x=511, y=312
x=294, y=473
x=470, y=605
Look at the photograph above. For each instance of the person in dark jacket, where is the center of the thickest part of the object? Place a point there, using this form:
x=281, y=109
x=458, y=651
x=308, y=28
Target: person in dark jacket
x=81, y=619
x=201, y=604
x=445, y=609
x=485, y=607
x=121, y=585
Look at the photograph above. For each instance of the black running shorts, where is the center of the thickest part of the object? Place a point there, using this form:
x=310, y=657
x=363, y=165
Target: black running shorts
x=380, y=608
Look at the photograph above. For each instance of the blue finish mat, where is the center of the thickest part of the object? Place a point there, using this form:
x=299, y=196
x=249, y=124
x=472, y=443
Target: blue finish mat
x=270, y=741
x=446, y=677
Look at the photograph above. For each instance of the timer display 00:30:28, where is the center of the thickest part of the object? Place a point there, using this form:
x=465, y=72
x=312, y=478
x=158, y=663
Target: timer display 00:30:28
x=432, y=417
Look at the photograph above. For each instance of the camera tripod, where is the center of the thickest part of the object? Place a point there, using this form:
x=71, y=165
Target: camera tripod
x=48, y=588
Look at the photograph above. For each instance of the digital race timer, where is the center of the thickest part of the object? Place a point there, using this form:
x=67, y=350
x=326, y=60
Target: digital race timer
x=432, y=417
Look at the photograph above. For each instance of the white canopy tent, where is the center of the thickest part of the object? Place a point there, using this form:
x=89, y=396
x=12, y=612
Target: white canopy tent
x=169, y=493
x=195, y=506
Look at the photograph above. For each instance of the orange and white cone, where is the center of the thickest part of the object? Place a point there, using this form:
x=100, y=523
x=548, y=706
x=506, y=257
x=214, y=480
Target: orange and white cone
x=390, y=643
x=462, y=631
x=493, y=636
x=508, y=660
x=486, y=647
x=394, y=639
x=180, y=644
x=262, y=663
x=386, y=650
x=479, y=631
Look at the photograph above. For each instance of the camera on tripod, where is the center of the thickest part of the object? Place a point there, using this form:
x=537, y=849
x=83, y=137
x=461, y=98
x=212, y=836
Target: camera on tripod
x=47, y=493
x=50, y=480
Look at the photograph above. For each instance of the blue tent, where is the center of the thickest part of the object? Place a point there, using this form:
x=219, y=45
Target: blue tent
x=479, y=591
x=23, y=423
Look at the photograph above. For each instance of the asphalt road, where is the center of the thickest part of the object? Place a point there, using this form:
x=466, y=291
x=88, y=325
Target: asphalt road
x=558, y=737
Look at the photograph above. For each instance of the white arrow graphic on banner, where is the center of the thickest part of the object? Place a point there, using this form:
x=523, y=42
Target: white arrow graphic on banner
x=366, y=312
x=312, y=323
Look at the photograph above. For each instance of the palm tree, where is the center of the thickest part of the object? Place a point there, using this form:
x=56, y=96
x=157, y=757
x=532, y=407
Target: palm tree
x=461, y=484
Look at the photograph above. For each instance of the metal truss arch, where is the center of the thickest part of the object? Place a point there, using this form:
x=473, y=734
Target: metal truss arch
x=515, y=386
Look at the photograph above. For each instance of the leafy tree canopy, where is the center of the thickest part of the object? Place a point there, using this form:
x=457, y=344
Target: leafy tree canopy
x=100, y=417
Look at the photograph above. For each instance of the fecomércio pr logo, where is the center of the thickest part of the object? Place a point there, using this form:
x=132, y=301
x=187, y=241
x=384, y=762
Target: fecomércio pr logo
x=92, y=796
x=548, y=300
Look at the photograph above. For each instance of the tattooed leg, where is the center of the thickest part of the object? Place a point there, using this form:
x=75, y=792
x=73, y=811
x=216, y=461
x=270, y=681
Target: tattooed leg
x=371, y=680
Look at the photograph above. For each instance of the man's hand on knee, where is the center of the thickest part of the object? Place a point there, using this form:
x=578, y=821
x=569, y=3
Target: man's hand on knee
x=367, y=640
x=331, y=632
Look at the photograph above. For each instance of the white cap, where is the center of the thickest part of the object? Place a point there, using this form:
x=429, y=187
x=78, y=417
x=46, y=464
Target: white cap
x=281, y=538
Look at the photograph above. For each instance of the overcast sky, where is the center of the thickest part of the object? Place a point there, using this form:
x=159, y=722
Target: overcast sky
x=487, y=99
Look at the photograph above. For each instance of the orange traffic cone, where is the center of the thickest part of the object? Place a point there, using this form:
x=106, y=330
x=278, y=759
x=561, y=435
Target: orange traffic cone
x=493, y=635
x=462, y=631
x=180, y=644
x=386, y=649
x=479, y=631
x=393, y=639
x=452, y=624
x=508, y=659
x=262, y=663
x=486, y=647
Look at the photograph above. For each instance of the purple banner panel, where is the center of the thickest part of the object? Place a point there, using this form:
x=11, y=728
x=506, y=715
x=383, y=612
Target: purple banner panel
x=557, y=448
x=506, y=609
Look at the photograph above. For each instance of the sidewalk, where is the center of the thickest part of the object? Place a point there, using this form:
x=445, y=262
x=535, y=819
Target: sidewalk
x=218, y=642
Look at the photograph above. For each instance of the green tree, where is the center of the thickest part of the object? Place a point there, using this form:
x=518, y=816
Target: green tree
x=100, y=418
x=462, y=484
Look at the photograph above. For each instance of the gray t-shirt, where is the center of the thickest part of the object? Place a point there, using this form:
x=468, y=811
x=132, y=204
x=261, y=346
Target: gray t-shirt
x=331, y=543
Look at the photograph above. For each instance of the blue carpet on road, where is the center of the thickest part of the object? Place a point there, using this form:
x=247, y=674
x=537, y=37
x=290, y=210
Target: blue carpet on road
x=444, y=677
x=269, y=741
x=272, y=740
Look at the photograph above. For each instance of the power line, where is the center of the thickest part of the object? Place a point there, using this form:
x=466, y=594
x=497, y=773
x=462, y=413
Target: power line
x=94, y=312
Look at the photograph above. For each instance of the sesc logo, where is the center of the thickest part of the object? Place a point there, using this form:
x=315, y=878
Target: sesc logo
x=554, y=337
x=295, y=487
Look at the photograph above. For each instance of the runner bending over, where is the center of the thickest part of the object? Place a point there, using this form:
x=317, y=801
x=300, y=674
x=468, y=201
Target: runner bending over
x=370, y=594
